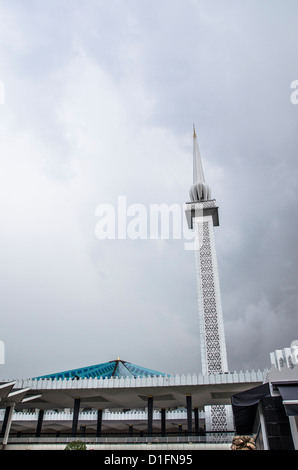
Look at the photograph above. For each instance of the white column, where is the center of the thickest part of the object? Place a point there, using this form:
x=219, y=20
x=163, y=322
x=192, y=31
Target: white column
x=8, y=425
x=294, y=431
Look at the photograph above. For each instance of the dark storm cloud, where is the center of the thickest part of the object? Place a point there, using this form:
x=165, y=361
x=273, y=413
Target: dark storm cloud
x=100, y=101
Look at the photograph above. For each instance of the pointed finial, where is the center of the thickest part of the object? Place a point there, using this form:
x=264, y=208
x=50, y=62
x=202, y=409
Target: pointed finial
x=199, y=191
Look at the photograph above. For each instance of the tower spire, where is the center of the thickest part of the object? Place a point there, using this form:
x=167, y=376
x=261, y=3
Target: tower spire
x=198, y=172
x=199, y=191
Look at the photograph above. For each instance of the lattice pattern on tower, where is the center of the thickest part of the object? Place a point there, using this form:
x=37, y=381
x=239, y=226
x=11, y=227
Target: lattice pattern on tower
x=213, y=347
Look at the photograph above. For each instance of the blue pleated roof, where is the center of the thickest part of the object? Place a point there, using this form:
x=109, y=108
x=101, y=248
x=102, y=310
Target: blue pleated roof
x=116, y=368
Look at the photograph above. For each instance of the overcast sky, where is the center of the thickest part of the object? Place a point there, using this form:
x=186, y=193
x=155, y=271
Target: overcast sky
x=100, y=100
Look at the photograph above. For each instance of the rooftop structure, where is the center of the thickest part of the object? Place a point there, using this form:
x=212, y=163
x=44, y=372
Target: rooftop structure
x=270, y=410
x=116, y=368
x=141, y=408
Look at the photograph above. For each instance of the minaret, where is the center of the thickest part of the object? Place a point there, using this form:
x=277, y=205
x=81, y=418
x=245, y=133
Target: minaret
x=202, y=217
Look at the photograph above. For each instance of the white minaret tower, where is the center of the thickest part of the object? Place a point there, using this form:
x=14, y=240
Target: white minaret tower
x=202, y=217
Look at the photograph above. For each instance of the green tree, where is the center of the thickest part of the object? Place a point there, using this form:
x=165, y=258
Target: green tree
x=76, y=445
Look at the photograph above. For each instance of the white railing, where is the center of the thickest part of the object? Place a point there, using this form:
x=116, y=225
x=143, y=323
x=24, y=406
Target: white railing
x=107, y=415
x=131, y=382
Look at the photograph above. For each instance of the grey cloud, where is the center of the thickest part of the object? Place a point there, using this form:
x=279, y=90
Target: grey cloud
x=106, y=94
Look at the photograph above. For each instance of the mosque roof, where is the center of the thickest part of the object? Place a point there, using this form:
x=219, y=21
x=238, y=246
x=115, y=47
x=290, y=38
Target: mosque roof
x=115, y=368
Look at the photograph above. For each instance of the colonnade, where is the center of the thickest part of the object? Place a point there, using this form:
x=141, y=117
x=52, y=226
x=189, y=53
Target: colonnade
x=150, y=404
x=192, y=419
